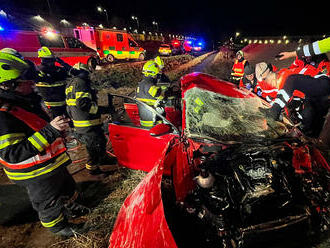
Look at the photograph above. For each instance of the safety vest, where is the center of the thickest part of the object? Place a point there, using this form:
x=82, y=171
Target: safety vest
x=51, y=156
x=238, y=69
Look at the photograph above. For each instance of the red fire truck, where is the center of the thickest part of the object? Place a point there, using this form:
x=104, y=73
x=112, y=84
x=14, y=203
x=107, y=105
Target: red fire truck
x=111, y=44
x=68, y=49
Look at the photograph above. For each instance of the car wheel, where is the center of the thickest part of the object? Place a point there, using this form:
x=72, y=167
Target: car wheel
x=141, y=57
x=110, y=58
x=92, y=63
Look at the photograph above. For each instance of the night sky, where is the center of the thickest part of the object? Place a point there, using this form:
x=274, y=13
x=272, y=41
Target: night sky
x=211, y=19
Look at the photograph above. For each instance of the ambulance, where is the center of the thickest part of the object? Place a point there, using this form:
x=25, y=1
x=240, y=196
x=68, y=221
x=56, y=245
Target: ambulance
x=69, y=49
x=110, y=44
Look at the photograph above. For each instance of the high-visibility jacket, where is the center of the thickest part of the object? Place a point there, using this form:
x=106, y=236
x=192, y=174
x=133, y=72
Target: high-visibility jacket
x=148, y=92
x=238, y=69
x=82, y=105
x=315, y=48
x=300, y=67
x=51, y=85
x=268, y=92
x=30, y=148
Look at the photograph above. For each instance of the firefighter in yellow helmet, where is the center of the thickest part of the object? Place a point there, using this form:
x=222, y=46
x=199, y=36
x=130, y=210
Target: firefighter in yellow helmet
x=150, y=93
x=85, y=113
x=52, y=81
x=32, y=152
x=162, y=79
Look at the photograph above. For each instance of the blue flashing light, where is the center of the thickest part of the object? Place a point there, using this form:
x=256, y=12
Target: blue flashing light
x=189, y=42
x=1, y=28
x=200, y=43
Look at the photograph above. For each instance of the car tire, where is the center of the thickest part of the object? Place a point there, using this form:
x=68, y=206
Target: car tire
x=141, y=57
x=92, y=63
x=110, y=58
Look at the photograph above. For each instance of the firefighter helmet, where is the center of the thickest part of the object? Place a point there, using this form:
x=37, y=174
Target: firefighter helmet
x=150, y=69
x=45, y=52
x=12, y=65
x=159, y=62
x=81, y=66
x=240, y=52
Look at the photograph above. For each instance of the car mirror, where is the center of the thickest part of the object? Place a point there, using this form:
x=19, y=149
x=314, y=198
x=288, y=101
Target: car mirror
x=160, y=129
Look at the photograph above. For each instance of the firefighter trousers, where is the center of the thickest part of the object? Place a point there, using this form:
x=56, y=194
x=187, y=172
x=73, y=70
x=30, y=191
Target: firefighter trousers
x=48, y=197
x=95, y=142
x=147, y=118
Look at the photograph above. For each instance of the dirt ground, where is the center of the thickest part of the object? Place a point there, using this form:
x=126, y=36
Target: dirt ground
x=19, y=224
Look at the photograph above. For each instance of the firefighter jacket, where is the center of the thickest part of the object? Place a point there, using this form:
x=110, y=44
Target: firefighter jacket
x=51, y=85
x=237, y=71
x=82, y=105
x=148, y=92
x=266, y=91
x=315, y=48
x=30, y=148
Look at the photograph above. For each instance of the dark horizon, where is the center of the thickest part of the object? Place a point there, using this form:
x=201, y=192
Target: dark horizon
x=198, y=18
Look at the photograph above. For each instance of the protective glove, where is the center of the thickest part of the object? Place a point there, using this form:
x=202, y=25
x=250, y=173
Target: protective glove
x=66, y=66
x=259, y=93
x=248, y=86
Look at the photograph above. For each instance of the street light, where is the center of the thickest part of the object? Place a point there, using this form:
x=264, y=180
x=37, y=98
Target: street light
x=137, y=21
x=64, y=22
x=102, y=10
x=156, y=24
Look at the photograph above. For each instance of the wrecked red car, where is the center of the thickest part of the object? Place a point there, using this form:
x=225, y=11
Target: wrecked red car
x=224, y=174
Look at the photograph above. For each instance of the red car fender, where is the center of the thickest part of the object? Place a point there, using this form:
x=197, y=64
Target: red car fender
x=183, y=170
x=141, y=221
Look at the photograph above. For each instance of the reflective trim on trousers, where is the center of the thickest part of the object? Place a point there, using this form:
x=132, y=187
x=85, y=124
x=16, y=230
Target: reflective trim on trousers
x=18, y=176
x=59, y=219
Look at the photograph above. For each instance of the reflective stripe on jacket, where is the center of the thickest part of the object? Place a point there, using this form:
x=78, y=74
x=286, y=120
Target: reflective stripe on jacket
x=51, y=86
x=47, y=151
x=82, y=105
x=148, y=92
x=238, y=68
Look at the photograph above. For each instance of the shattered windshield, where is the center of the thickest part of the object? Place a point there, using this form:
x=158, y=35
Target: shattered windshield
x=211, y=115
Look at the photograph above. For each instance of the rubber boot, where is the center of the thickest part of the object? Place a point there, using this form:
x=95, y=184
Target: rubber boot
x=70, y=230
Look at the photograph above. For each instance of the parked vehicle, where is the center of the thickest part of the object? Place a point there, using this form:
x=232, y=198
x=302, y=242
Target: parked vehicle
x=165, y=50
x=176, y=47
x=110, y=44
x=230, y=173
x=68, y=49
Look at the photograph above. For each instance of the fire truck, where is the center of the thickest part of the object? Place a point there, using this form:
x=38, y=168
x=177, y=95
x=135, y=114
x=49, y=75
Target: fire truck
x=69, y=49
x=110, y=44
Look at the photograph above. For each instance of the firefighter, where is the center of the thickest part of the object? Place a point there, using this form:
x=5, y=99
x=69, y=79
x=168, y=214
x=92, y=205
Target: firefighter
x=150, y=93
x=237, y=71
x=85, y=113
x=314, y=89
x=249, y=80
x=162, y=78
x=52, y=81
x=266, y=89
x=32, y=152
